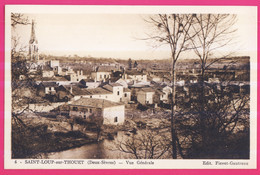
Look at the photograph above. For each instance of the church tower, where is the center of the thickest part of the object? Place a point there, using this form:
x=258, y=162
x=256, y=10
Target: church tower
x=33, y=45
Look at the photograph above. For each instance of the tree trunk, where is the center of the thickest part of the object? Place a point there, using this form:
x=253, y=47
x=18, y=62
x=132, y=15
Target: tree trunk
x=204, y=132
x=173, y=109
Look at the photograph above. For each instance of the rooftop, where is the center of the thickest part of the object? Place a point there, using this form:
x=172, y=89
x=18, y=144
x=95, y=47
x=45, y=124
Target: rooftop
x=147, y=90
x=49, y=84
x=99, y=90
x=127, y=90
x=134, y=72
x=97, y=103
x=88, y=80
x=76, y=90
x=105, y=68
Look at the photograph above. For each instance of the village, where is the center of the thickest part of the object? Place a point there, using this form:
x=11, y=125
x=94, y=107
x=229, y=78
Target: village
x=91, y=97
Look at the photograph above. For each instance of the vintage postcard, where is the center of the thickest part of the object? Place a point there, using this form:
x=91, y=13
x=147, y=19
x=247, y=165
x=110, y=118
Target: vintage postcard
x=130, y=87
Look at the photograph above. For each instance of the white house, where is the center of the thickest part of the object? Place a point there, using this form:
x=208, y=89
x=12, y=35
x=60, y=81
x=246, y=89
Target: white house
x=113, y=92
x=101, y=74
x=76, y=76
x=47, y=88
x=89, y=83
x=135, y=76
x=117, y=90
x=54, y=63
x=94, y=109
x=57, y=70
x=145, y=96
x=122, y=82
x=100, y=93
x=127, y=95
x=164, y=92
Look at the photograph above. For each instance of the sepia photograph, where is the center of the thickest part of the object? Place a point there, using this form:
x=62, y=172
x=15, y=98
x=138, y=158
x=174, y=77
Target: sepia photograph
x=172, y=83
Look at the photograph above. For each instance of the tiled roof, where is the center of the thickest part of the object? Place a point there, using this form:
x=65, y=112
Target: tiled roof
x=49, y=84
x=134, y=72
x=147, y=90
x=56, y=79
x=97, y=103
x=98, y=90
x=76, y=90
x=105, y=68
x=88, y=80
x=127, y=90
x=160, y=92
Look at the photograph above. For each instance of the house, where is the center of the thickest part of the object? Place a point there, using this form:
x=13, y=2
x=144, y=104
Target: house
x=57, y=70
x=77, y=91
x=47, y=71
x=75, y=76
x=101, y=74
x=47, y=88
x=135, y=75
x=98, y=109
x=89, y=83
x=54, y=63
x=122, y=82
x=140, y=84
x=126, y=95
x=64, y=93
x=100, y=93
x=117, y=90
x=164, y=93
x=145, y=96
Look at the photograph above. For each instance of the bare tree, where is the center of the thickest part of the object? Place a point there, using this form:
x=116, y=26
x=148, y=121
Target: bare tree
x=18, y=19
x=213, y=32
x=145, y=145
x=173, y=30
x=225, y=119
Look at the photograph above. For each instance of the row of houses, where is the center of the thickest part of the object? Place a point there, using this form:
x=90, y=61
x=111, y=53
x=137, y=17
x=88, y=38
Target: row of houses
x=52, y=69
x=105, y=91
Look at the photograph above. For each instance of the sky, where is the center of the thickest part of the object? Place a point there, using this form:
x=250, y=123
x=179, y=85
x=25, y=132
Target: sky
x=111, y=35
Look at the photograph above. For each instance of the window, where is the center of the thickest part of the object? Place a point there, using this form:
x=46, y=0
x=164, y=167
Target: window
x=116, y=119
x=86, y=110
x=84, y=116
x=118, y=92
x=75, y=108
x=91, y=96
x=50, y=88
x=105, y=76
x=90, y=110
x=125, y=94
x=100, y=76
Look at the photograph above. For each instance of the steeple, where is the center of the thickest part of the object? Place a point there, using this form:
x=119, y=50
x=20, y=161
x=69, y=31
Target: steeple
x=33, y=37
x=33, y=45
